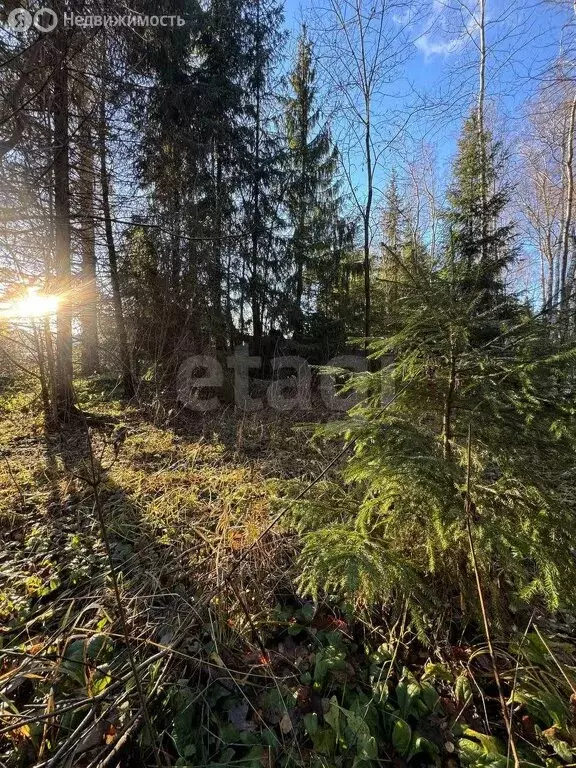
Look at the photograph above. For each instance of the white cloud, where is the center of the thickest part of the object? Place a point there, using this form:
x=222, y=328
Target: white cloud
x=404, y=18
x=429, y=47
x=445, y=30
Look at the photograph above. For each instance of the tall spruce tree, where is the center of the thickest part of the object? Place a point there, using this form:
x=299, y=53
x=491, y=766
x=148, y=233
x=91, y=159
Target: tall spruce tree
x=479, y=238
x=393, y=241
x=463, y=364
x=312, y=198
x=171, y=166
x=262, y=254
x=221, y=131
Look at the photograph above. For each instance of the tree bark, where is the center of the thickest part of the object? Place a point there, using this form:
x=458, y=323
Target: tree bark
x=369, y=189
x=61, y=162
x=257, y=328
x=219, y=320
x=565, y=284
x=448, y=407
x=125, y=362
x=90, y=357
x=481, y=134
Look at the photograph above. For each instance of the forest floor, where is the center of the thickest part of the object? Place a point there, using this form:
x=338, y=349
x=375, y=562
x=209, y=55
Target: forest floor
x=149, y=617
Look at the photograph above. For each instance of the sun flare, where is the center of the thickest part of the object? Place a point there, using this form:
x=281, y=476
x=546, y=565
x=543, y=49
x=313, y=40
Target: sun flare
x=32, y=304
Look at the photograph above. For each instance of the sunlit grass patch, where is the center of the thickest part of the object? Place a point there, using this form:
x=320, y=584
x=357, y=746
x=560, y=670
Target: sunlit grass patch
x=179, y=509
x=18, y=395
x=99, y=391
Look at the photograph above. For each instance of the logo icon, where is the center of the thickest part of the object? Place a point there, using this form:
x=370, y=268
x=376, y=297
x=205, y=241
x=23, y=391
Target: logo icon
x=45, y=20
x=20, y=20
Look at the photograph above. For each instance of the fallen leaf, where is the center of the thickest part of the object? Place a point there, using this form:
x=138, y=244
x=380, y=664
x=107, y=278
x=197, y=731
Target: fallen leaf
x=110, y=734
x=238, y=716
x=286, y=723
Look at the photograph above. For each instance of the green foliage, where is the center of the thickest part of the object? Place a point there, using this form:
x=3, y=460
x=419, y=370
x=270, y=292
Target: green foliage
x=457, y=354
x=335, y=692
x=408, y=468
x=312, y=197
x=477, y=199
x=361, y=709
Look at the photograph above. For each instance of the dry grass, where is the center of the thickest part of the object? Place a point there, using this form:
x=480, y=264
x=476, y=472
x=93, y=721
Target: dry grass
x=181, y=502
x=142, y=653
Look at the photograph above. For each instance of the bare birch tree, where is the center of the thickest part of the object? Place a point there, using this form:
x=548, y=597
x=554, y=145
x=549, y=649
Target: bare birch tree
x=362, y=46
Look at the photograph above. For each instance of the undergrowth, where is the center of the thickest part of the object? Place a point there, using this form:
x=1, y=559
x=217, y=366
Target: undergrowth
x=238, y=671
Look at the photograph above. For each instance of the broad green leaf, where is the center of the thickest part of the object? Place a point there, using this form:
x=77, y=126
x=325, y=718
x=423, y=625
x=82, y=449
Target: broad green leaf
x=429, y=696
x=332, y=717
x=311, y=723
x=99, y=682
x=421, y=745
x=324, y=741
x=401, y=737
x=439, y=671
x=73, y=663
x=472, y=754
x=490, y=744
x=358, y=734
x=463, y=689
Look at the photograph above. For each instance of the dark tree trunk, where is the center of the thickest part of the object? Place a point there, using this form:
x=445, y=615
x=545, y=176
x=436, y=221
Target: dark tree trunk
x=257, y=329
x=297, y=324
x=449, y=407
x=61, y=162
x=257, y=325
x=366, y=226
x=125, y=363
x=565, y=279
x=90, y=357
x=219, y=320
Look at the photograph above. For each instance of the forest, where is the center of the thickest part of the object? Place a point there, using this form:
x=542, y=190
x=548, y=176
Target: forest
x=287, y=383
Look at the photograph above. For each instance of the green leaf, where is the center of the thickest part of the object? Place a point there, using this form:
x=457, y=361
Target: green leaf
x=327, y=659
x=472, y=754
x=402, y=698
x=270, y=739
x=100, y=682
x=463, y=690
x=332, y=717
x=311, y=723
x=546, y=707
x=307, y=611
x=407, y=694
x=73, y=663
x=429, y=696
x=490, y=744
x=358, y=734
x=324, y=741
x=254, y=756
x=438, y=671
x=98, y=647
x=561, y=747
x=380, y=691
x=185, y=729
x=401, y=737
x=421, y=745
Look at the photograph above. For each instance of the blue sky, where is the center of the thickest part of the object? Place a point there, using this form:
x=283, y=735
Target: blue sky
x=523, y=38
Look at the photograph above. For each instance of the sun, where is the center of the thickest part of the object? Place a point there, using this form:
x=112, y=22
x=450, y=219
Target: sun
x=32, y=304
